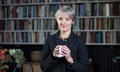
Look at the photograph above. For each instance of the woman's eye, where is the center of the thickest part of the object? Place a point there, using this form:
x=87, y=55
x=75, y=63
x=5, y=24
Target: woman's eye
x=67, y=19
x=60, y=18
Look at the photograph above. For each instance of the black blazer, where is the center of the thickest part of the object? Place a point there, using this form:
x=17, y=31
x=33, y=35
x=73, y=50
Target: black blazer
x=78, y=52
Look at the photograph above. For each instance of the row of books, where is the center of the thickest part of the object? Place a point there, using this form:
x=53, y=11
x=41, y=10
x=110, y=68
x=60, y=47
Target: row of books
x=23, y=37
x=37, y=37
x=28, y=11
x=46, y=24
x=22, y=11
x=43, y=1
x=32, y=1
x=96, y=9
x=51, y=24
x=100, y=37
x=97, y=24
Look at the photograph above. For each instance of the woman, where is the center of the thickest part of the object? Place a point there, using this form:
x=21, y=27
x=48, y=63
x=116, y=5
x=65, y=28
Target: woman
x=73, y=52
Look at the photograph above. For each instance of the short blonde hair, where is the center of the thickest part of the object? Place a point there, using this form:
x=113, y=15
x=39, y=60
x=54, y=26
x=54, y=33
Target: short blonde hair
x=70, y=11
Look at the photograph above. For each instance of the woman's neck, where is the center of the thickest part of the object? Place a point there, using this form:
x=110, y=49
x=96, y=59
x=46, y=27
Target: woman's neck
x=65, y=34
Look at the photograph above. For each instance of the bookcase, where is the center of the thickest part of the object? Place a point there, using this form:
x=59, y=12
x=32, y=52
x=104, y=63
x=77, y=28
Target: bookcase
x=32, y=21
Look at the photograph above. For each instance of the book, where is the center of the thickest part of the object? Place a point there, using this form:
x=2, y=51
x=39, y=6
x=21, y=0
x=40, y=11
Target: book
x=14, y=12
x=82, y=10
x=20, y=37
x=8, y=36
x=93, y=37
x=18, y=1
x=35, y=24
x=25, y=36
x=1, y=37
x=100, y=37
x=107, y=9
x=10, y=11
x=91, y=26
x=33, y=37
x=102, y=23
x=110, y=37
x=33, y=11
x=53, y=9
x=12, y=37
x=6, y=24
x=19, y=12
x=42, y=11
x=115, y=9
x=111, y=23
x=1, y=12
x=37, y=37
x=117, y=24
x=1, y=25
x=29, y=36
x=4, y=37
x=11, y=25
x=39, y=25
x=118, y=37
x=21, y=25
x=88, y=9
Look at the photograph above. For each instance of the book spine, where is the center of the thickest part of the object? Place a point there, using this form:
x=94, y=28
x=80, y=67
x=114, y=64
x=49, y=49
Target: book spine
x=8, y=36
x=5, y=36
x=35, y=24
x=107, y=9
x=1, y=12
x=82, y=10
x=100, y=37
x=6, y=24
x=33, y=11
x=1, y=37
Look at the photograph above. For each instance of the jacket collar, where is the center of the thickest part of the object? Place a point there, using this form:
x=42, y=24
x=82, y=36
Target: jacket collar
x=58, y=40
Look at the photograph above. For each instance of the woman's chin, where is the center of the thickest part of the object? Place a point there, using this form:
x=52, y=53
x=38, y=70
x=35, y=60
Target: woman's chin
x=65, y=30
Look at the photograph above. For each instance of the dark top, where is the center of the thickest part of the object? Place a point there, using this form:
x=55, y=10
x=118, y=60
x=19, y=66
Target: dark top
x=78, y=52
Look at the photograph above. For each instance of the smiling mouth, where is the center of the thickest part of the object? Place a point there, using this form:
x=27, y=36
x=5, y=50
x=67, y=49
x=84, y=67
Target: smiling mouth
x=64, y=26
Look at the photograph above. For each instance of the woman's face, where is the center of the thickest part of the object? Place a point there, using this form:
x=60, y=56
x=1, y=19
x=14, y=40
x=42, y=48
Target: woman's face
x=64, y=22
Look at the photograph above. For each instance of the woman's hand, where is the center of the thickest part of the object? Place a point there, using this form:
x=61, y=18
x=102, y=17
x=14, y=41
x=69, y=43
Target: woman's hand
x=67, y=54
x=56, y=51
x=65, y=51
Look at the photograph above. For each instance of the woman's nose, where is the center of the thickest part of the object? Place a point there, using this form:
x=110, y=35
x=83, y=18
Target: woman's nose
x=63, y=22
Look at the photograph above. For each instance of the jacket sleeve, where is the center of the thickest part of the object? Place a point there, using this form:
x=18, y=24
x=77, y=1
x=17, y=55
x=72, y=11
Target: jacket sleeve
x=81, y=61
x=48, y=61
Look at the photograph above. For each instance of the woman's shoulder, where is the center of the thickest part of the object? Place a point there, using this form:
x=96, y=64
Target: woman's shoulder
x=52, y=35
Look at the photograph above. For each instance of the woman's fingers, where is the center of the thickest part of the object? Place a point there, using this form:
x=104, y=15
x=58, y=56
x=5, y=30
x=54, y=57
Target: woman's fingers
x=56, y=51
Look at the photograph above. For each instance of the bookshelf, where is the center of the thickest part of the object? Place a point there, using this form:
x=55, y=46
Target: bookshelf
x=32, y=21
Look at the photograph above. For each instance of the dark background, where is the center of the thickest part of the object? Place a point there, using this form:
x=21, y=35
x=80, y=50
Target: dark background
x=103, y=56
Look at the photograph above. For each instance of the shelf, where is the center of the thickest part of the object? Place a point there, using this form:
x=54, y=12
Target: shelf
x=41, y=43
x=109, y=44
x=57, y=30
x=54, y=3
x=37, y=18
x=22, y=43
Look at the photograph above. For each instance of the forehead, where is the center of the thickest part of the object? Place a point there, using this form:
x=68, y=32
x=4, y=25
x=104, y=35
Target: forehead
x=63, y=14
